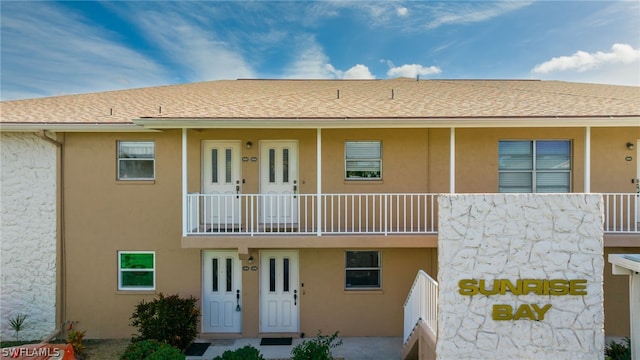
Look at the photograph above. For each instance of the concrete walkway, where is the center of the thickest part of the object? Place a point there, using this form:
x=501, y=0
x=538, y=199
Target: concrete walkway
x=352, y=348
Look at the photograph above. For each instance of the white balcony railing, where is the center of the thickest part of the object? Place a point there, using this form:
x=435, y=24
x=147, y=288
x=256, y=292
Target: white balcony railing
x=421, y=304
x=621, y=212
x=300, y=214
x=384, y=214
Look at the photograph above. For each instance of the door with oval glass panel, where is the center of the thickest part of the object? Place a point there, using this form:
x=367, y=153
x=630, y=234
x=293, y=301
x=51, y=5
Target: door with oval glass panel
x=279, y=186
x=279, y=293
x=221, y=292
x=220, y=208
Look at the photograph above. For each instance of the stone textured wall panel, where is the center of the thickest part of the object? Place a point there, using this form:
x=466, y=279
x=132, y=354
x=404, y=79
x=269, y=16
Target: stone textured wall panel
x=27, y=234
x=520, y=236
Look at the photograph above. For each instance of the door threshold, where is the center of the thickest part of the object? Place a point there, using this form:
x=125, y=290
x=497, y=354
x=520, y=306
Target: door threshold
x=278, y=335
x=278, y=228
x=214, y=336
x=219, y=228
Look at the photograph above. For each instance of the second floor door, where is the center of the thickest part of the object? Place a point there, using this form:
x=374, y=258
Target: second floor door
x=279, y=183
x=221, y=178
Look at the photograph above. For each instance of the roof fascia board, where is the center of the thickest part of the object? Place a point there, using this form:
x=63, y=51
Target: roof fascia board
x=68, y=127
x=178, y=123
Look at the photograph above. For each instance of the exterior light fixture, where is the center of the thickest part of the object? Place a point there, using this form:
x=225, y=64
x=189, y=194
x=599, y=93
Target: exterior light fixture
x=249, y=144
x=630, y=146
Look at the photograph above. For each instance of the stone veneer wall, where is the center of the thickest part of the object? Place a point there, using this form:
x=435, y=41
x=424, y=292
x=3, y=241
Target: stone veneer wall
x=27, y=234
x=520, y=236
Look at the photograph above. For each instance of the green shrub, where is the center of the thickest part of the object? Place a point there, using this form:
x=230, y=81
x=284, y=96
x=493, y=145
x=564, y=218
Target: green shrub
x=246, y=353
x=17, y=324
x=616, y=351
x=76, y=339
x=316, y=349
x=171, y=319
x=152, y=350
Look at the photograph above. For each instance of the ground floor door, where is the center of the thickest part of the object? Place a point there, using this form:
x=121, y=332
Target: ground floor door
x=279, y=293
x=221, y=292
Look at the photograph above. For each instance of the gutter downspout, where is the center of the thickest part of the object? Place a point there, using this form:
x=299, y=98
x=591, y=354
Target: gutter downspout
x=61, y=257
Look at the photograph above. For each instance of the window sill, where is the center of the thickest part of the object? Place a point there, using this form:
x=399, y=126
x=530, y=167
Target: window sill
x=135, y=292
x=363, y=182
x=364, y=291
x=135, y=182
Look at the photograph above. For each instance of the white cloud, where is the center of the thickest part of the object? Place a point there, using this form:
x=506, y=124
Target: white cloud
x=48, y=51
x=466, y=13
x=193, y=47
x=313, y=63
x=402, y=11
x=411, y=70
x=310, y=62
x=584, y=61
x=620, y=66
x=358, y=71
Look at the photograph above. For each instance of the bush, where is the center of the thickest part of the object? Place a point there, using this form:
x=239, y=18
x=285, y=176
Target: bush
x=171, y=319
x=152, y=350
x=316, y=349
x=76, y=339
x=616, y=351
x=246, y=353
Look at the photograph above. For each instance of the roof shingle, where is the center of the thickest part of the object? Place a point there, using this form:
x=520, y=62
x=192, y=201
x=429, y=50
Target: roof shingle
x=298, y=99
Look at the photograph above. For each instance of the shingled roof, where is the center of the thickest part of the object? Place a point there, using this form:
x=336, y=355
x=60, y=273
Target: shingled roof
x=331, y=99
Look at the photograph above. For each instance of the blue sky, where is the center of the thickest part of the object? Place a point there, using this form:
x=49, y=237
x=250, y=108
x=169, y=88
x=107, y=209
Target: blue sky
x=56, y=48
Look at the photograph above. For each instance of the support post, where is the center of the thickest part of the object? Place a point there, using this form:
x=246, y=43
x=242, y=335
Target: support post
x=587, y=160
x=319, y=181
x=452, y=161
x=184, y=182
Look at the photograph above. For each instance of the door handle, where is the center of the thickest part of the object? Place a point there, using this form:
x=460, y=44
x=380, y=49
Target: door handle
x=237, y=189
x=238, y=300
x=295, y=297
x=295, y=188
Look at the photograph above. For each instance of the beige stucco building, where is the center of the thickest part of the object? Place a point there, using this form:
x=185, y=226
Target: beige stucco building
x=290, y=207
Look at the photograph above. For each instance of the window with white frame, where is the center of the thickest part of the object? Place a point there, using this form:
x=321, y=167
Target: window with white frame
x=363, y=160
x=534, y=166
x=136, y=270
x=362, y=270
x=136, y=160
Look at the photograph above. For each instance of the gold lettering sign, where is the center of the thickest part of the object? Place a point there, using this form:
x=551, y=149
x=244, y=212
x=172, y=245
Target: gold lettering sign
x=501, y=312
x=471, y=287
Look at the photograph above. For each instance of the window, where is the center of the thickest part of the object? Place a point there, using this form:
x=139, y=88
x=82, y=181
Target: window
x=362, y=270
x=536, y=166
x=136, y=160
x=136, y=270
x=363, y=160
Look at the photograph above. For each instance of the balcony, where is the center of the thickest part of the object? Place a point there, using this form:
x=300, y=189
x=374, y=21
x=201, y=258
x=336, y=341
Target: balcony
x=330, y=214
x=349, y=214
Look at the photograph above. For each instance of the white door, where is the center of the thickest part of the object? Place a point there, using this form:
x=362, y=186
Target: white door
x=221, y=292
x=279, y=293
x=221, y=178
x=638, y=182
x=279, y=183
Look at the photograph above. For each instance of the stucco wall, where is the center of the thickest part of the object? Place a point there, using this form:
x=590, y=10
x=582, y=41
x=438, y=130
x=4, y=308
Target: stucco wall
x=27, y=234
x=523, y=236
